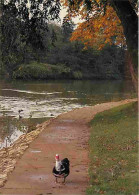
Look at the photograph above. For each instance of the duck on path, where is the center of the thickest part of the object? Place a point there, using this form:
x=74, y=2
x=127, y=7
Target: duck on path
x=61, y=168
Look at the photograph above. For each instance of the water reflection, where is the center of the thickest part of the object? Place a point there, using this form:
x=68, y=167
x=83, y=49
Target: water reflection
x=12, y=128
x=41, y=100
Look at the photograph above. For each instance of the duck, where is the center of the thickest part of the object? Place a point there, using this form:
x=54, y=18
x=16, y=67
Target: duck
x=61, y=168
x=19, y=111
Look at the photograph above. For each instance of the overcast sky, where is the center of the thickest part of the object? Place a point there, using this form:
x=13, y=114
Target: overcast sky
x=63, y=13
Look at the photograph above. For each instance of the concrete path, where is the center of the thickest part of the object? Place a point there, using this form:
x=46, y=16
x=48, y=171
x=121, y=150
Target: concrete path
x=66, y=135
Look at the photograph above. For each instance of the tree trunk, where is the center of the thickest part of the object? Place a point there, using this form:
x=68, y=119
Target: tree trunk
x=129, y=21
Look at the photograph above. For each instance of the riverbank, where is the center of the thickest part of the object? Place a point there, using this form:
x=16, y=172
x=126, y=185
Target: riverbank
x=10, y=155
x=45, y=71
x=52, y=139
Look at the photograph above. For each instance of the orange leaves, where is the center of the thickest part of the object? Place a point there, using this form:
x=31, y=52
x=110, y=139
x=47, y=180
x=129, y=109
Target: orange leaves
x=97, y=29
x=100, y=30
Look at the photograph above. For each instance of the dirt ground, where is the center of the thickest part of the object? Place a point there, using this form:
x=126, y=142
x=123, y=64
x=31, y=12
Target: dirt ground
x=67, y=135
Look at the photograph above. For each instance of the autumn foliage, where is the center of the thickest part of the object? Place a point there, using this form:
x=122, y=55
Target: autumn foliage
x=98, y=28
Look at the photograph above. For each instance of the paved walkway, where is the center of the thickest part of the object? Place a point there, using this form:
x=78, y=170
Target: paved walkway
x=66, y=135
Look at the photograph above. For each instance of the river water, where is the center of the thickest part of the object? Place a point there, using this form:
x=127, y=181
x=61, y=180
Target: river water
x=40, y=100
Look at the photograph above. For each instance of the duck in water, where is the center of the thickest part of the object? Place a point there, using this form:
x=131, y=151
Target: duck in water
x=19, y=111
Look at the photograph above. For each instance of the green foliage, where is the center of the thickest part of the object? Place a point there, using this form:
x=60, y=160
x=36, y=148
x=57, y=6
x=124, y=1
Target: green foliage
x=41, y=71
x=105, y=64
x=77, y=75
x=71, y=61
x=10, y=36
x=110, y=63
x=113, y=151
x=25, y=27
x=67, y=28
x=25, y=39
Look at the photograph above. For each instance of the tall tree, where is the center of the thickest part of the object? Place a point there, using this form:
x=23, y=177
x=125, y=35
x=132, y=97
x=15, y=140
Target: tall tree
x=10, y=41
x=100, y=29
x=34, y=16
x=67, y=28
x=126, y=12
x=25, y=23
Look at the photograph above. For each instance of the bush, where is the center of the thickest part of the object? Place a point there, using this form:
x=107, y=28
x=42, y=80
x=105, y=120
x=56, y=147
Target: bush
x=41, y=71
x=77, y=75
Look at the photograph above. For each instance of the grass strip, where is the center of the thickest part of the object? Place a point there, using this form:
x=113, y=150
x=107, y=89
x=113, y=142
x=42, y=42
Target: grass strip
x=113, y=152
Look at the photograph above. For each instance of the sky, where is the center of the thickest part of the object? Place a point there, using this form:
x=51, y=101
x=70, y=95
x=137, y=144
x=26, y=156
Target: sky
x=63, y=13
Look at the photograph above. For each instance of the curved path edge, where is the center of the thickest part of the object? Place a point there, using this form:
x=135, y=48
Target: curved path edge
x=32, y=155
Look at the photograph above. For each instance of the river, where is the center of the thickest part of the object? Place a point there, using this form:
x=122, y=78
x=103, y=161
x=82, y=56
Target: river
x=41, y=100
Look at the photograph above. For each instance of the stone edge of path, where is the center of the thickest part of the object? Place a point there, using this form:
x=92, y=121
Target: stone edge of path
x=10, y=155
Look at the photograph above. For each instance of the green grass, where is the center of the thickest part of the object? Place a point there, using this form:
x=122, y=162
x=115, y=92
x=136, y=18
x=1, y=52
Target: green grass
x=113, y=152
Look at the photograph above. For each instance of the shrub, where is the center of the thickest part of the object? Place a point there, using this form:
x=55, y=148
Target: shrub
x=77, y=75
x=41, y=71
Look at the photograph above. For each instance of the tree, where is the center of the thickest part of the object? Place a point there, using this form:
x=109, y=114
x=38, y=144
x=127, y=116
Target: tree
x=99, y=30
x=125, y=11
x=67, y=28
x=10, y=36
x=24, y=24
